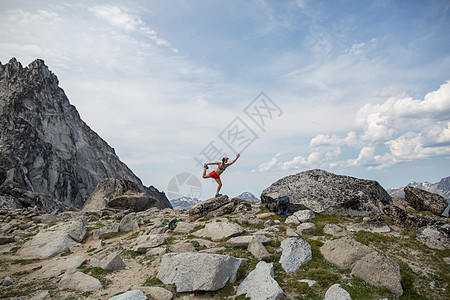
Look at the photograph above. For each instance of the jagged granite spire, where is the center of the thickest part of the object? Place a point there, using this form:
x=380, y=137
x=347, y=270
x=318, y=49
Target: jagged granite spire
x=45, y=148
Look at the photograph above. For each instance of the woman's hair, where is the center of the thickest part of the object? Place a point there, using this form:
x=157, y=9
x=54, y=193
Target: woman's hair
x=224, y=159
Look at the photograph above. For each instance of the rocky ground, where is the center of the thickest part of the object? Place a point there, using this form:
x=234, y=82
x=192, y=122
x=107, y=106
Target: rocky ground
x=242, y=250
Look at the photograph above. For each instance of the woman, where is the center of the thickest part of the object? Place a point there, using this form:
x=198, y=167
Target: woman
x=220, y=169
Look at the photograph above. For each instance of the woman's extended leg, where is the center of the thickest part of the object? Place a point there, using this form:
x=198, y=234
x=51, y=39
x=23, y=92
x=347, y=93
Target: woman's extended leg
x=204, y=172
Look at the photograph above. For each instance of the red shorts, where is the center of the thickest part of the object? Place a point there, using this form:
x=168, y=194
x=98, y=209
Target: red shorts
x=214, y=175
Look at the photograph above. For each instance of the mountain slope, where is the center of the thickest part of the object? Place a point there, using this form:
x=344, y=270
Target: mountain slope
x=45, y=147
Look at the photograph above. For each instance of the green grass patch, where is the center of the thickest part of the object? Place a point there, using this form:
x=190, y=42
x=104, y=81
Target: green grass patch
x=359, y=289
x=98, y=273
x=133, y=236
x=97, y=226
x=153, y=281
x=110, y=235
x=407, y=282
x=14, y=250
x=25, y=261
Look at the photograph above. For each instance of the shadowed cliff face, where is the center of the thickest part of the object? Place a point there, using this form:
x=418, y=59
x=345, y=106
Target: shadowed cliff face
x=45, y=147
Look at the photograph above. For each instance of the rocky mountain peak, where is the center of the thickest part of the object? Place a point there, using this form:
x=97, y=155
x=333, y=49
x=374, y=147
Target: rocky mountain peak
x=51, y=157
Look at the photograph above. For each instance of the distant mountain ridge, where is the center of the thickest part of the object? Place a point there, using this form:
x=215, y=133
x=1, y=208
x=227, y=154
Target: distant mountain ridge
x=184, y=203
x=441, y=188
x=248, y=196
x=187, y=202
x=50, y=156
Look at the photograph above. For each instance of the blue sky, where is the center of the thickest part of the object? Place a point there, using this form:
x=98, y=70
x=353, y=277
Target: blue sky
x=362, y=88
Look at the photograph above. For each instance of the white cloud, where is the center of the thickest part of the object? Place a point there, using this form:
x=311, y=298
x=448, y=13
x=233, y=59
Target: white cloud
x=115, y=16
x=264, y=167
x=296, y=163
x=118, y=17
x=400, y=129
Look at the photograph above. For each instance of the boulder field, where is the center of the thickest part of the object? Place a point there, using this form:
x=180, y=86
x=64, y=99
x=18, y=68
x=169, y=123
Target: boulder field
x=243, y=251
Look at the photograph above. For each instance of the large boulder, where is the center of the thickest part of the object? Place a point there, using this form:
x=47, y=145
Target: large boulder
x=379, y=270
x=122, y=194
x=425, y=201
x=216, y=206
x=330, y=194
x=54, y=240
x=344, y=252
x=198, y=271
x=260, y=283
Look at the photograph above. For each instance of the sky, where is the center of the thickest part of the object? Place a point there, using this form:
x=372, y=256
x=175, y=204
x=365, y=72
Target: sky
x=357, y=88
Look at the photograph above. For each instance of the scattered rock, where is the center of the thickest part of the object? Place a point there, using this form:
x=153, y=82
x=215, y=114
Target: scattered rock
x=109, y=228
x=249, y=219
x=292, y=220
x=329, y=194
x=336, y=292
x=435, y=237
x=158, y=293
x=334, y=230
x=220, y=229
x=111, y=262
x=245, y=240
x=296, y=252
x=305, y=228
x=258, y=250
x=305, y=215
x=425, y=201
x=182, y=247
x=185, y=227
x=60, y=266
x=310, y=283
x=344, y=252
x=145, y=242
x=7, y=281
x=130, y=295
x=128, y=223
x=291, y=232
x=260, y=283
x=6, y=239
x=53, y=241
x=405, y=219
x=80, y=282
x=376, y=225
x=156, y=251
x=379, y=270
x=198, y=271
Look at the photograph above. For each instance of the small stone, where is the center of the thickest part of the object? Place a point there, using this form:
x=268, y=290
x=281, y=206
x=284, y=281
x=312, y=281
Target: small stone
x=130, y=295
x=7, y=281
x=306, y=227
x=336, y=292
x=305, y=215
